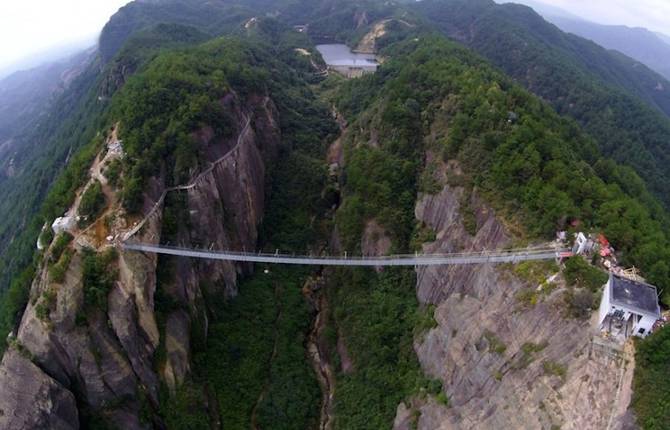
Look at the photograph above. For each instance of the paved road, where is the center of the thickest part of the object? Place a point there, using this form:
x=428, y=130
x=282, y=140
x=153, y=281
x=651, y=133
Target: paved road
x=393, y=260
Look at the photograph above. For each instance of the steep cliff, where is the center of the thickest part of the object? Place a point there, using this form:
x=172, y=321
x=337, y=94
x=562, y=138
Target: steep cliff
x=504, y=364
x=444, y=156
x=105, y=357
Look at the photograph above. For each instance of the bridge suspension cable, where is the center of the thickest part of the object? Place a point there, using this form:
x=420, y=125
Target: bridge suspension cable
x=485, y=257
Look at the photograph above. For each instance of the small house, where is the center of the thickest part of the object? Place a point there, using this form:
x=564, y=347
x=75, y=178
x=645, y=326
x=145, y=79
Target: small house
x=628, y=308
x=583, y=245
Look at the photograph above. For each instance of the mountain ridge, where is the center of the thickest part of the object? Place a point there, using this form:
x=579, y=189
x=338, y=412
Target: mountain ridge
x=438, y=151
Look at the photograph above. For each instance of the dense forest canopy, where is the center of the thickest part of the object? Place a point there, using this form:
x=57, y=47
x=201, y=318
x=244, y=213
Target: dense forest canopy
x=616, y=100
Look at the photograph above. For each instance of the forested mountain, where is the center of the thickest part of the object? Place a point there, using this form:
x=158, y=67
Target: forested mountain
x=25, y=94
x=620, y=103
x=217, y=125
x=645, y=46
x=637, y=43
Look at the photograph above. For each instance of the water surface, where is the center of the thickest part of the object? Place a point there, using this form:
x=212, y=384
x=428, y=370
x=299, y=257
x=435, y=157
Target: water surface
x=340, y=55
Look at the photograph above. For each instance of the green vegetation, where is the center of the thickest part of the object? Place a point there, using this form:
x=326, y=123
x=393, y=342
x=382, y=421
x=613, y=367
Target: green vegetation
x=45, y=185
x=92, y=202
x=425, y=320
x=113, y=172
x=44, y=305
x=442, y=399
x=185, y=409
x=580, y=303
x=253, y=360
x=58, y=269
x=528, y=352
x=535, y=272
x=376, y=314
x=539, y=171
x=255, y=347
x=422, y=234
x=535, y=171
x=468, y=215
x=98, y=276
x=614, y=99
x=584, y=282
x=427, y=182
x=495, y=344
x=13, y=302
x=554, y=368
x=578, y=273
x=59, y=245
x=651, y=383
x=528, y=297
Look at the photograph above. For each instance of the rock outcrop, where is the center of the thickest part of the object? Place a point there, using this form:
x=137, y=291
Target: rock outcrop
x=105, y=358
x=502, y=364
x=31, y=399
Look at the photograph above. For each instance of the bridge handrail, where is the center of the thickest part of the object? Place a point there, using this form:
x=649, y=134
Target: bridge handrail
x=489, y=255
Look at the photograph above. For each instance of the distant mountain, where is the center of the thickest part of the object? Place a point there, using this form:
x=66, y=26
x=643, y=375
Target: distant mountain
x=544, y=9
x=649, y=48
x=664, y=37
x=25, y=96
x=638, y=43
x=54, y=54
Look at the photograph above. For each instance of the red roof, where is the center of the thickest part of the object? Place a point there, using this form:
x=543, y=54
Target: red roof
x=602, y=240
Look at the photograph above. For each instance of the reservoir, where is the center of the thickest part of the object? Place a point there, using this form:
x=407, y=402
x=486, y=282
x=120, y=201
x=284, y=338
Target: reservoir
x=351, y=64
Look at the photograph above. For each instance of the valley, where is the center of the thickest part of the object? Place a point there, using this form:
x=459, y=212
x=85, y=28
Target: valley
x=199, y=253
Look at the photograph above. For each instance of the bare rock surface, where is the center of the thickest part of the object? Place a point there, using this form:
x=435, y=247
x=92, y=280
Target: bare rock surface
x=30, y=399
x=375, y=240
x=177, y=341
x=503, y=365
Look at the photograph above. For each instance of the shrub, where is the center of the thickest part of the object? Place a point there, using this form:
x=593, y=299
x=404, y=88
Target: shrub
x=579, y=303
x=57, y=271
x=422, y=234
x=425, y=320
x=43, y=308
x=442, y=399
x=98, y=277
x=528, y=351
x=59, y=245
x=579, y=273
x=92, y=202
x=554, y=368
x=468, y=216
x=535, y=272
x=47, y=236
x=528, y=297
x=113, y=172
x=495, y=344
x=651, y=381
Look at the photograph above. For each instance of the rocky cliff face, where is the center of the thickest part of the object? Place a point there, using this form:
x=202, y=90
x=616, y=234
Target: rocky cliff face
x=503, y=364
x=105, y=359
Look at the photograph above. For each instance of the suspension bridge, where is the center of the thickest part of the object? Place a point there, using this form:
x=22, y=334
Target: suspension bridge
x=481, y=257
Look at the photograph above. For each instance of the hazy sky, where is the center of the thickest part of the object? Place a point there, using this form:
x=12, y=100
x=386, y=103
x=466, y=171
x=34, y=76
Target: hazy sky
x=31, y=26
x=652, y=14
x=28, y=27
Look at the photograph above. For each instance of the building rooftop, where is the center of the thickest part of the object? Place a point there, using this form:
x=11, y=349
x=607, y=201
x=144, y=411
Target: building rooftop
x=635, y=295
